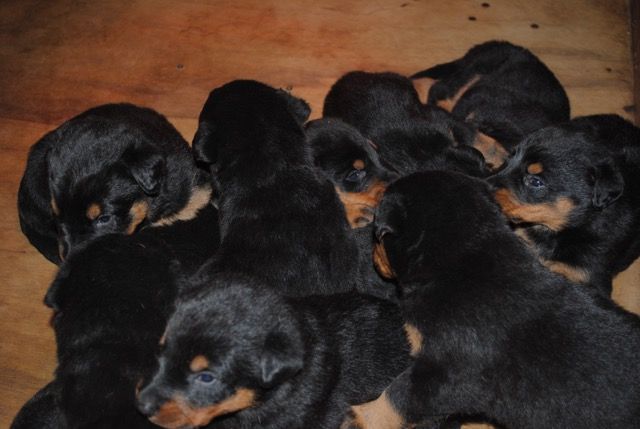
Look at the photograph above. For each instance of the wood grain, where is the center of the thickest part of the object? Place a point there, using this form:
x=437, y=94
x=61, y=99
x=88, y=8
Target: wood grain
x=60, y=58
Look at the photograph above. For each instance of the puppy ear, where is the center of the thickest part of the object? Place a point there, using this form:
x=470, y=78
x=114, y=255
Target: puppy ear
x=297, y=106
x=203, y=149
x=280, y=359
x=147, y=166
x=608, y=186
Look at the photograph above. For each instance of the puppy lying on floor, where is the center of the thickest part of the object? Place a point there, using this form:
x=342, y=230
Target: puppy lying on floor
x=493, y=332
x=280, y=221
x=573, y=193
x=111, y=299
x=503, y=91
x=238, y=355
x=111, y=169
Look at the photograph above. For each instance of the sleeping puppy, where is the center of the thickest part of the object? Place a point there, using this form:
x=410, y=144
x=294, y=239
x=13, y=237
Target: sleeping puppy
x=492, y=331
x=408, y=136
x=239, y=355
x=112, y=300
x=280, y=220
x=573, y=193
x=375, y=102
x=503, y=91
x=112, y=169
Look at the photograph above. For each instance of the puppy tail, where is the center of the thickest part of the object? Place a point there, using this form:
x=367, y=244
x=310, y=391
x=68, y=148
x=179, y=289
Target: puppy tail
x=439, y=71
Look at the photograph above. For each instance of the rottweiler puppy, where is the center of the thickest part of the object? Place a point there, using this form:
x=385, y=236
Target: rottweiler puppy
x=408, y=136
x=375, y=102
x=492, y=331
x=573, y=192
x=352, y=164
x=503, y=90
x=280, y=220
x=240, y=355
x=112, y=169
x=111, y=299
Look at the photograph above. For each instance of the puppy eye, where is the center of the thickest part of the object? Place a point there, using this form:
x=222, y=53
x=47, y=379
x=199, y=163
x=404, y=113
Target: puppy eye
x=534, y=181
x=205, y=377
x=102, y=219
x=355, y=176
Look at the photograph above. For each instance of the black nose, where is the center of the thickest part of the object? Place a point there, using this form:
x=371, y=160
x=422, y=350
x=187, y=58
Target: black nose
x=146, y=405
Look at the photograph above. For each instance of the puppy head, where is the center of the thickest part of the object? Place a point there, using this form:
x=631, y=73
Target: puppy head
x=426, y=221
x=371, y=100
x=221, y=351
x=351, y=163
x=245, y=117
x=555, y=178
x=103, y=199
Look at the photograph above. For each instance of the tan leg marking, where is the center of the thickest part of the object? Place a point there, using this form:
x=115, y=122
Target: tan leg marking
x=553, y=215
x=93, y=211
x=494, y=153
x=200, y=197
x=571, y=273
x=359, y=206
x=381, y=262
x=415, y=338
x=199, y=363
x=377, y=414
x=449, y=103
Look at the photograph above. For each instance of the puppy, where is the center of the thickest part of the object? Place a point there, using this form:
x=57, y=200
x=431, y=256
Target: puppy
x=352, y=164
x=503, y=91
x=492, y=331
x=111, y=300
x=408, y=136
x=239, y=355
x=112, y=169
x=573, y=193
x=376, y=102
x=280, y=221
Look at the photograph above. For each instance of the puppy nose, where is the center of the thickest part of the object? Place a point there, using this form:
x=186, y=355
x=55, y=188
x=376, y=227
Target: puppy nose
x=146, y=405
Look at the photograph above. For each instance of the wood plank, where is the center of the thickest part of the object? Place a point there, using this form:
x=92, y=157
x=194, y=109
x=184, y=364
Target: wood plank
x=60, y=58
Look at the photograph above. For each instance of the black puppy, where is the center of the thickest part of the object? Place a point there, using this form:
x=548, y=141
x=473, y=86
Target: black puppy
x=503, y=91
x=280, y=221
x=111, y=169
x=408, y=136
x=352, y=164
x=494, y=332
x=111, y=299
x=573, y=192
x=238, y=355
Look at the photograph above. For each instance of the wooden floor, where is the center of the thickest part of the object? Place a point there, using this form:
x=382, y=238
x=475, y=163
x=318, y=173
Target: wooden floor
x=58, y=58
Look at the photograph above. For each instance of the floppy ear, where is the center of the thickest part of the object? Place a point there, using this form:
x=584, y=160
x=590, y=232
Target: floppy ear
x=608, y=186
x=280, y=359
x=297, y=106
x=204, y=150
x=147, y=166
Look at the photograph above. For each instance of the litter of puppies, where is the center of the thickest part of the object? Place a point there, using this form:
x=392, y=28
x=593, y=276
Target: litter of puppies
x=393, y=264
